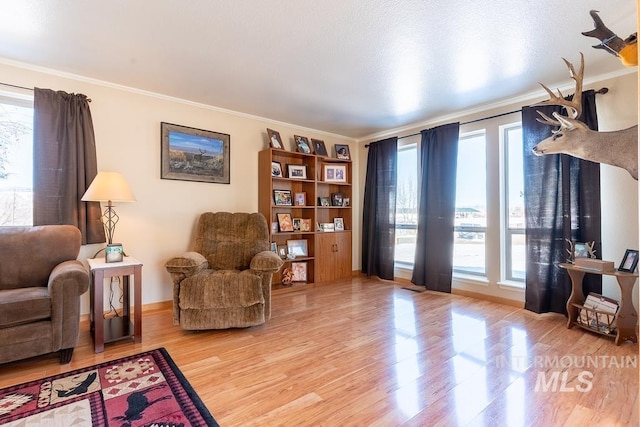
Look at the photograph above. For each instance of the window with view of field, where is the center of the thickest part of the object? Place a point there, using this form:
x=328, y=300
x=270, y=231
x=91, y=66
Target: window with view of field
x=471, y=256
x=16, y=163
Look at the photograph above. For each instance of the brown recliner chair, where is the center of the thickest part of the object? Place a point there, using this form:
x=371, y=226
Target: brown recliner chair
x=40, y=286
x=226, y=281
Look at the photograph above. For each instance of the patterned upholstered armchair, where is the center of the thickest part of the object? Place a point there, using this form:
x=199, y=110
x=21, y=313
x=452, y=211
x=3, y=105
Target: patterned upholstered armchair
x=226, y=281
x=40, y=287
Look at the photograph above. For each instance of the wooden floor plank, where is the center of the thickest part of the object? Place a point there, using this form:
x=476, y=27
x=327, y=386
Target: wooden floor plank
x=370, y=352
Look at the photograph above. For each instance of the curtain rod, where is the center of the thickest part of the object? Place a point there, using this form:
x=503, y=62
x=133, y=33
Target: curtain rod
x=26, y=88
x=601, y=91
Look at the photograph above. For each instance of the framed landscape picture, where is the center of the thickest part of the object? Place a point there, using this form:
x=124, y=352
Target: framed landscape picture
x=297, y=171
x=282, y=197
x=334, y=173
x=191, y=154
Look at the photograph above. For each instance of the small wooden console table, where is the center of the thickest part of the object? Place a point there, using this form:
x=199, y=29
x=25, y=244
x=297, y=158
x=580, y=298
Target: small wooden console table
x=626, y=319
x=120, y=327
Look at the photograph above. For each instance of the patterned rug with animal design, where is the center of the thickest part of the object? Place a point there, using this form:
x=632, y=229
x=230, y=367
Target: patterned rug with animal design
x=145, y=389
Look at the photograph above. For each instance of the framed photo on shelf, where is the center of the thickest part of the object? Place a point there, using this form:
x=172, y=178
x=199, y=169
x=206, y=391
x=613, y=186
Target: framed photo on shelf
x=334, y=173
x=629, y=261
x=297, y=247
x=305, y=225
x=299, y=271
x=323, y=201
x=282, y=251
x=336, y=199
x=327, y=227
x=297, y=171
x=282, y=197
x=285, y=223
x=346, y=202
x=274, y=227
x=302, y=144
x=276, y=169
x=300, y=199
x=296, y=224
x=191, y=154
x=338, y=224
x=342, y=152
x=318, y=147
x=274, y=247
x=274, y=139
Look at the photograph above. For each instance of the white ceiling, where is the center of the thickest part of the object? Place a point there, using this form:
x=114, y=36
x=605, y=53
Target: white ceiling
x=348, y=67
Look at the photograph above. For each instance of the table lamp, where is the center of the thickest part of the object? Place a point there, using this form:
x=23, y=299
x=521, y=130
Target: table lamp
x=109, y=187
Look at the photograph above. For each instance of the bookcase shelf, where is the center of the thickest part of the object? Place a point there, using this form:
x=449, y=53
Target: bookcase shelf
x=329, y=253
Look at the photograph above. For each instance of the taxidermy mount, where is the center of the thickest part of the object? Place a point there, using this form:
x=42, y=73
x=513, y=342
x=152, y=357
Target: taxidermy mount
x=626, y=50
x=618, y=148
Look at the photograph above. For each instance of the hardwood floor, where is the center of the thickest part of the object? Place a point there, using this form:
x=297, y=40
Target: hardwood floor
x=368, y=352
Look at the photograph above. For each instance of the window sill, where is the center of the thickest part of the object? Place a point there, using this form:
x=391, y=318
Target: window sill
x=470, y=279
x=511, y=285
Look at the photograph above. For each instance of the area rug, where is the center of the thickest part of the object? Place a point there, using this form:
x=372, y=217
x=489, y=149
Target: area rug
x=145, y=389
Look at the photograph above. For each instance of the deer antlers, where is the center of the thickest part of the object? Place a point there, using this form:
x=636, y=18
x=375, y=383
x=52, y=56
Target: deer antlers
x=573, y=107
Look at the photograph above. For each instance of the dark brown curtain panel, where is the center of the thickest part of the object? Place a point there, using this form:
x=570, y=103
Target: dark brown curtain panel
x=433, y=265
x=562, y=201
x=64, y=164
x=379, y=210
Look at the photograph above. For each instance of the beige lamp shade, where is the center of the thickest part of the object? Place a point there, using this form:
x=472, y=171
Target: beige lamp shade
x=108, y=187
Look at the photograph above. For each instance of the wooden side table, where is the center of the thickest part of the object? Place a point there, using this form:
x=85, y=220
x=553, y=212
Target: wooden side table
x=115, y=328
x=627, y=317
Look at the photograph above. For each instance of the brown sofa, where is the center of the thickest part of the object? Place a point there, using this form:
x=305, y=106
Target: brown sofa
x=40, y=286
x=226, y=281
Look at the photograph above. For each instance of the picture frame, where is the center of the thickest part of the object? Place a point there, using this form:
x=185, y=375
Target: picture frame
x=326, y=227
x=285, y=223
x=300, y=199
x=299, y=270
x=338, y=224
x=342, y=152
x=274, y=139
x=629, y=261
x=274, y=247
x=580, y=250
x=282, y=198
x=296, y=224
x=346, y=202
x=297, y=247
x=334, y=173
x=276, y=169
x=113, y=252
x=324, y=201
x=274, y=227
x=318, y=147
x=191, y=154
x=305, y=225
x=295, y=171
x=302, y=144
x=282, y=251
x=336, y=199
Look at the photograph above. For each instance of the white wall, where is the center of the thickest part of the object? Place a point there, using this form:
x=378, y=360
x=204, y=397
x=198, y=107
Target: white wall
x=127, y=128
x=616, y=110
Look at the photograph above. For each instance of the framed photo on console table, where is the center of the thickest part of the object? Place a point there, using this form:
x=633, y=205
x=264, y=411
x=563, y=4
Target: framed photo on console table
x=629, y=261
x=191, y=154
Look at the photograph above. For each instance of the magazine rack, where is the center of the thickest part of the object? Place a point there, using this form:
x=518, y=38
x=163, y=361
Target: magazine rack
x=625, y=320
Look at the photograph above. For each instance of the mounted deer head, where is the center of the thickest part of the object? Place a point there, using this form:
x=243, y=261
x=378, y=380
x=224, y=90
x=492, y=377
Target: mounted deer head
x=619, y=148
x=626, y=50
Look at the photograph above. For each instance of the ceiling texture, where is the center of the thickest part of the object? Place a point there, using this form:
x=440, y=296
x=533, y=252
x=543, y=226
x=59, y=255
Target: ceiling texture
x=354, y=68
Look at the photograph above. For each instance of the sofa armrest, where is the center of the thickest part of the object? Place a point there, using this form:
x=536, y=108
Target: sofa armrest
x=266, y=262
x=186, y=265
x=67, y=282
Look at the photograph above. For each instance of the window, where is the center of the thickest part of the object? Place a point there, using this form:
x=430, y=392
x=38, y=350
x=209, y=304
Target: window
x=16, y=162
x=406, y=204
x=489, y=240
x=469, y=249
x=513, y=193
